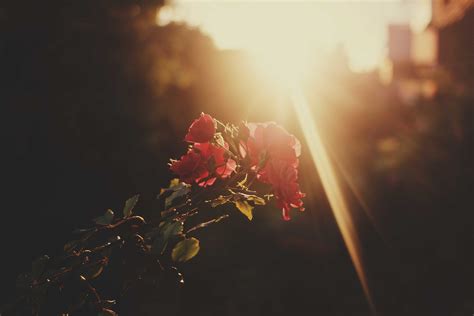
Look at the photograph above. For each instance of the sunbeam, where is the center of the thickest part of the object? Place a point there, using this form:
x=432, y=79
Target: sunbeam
x=331, y=186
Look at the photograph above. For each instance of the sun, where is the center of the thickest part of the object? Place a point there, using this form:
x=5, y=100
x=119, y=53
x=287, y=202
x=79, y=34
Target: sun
x=281, y=65
x=277, y=37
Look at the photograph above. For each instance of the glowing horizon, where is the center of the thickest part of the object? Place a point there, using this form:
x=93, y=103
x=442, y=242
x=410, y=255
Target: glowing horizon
x=297, y=30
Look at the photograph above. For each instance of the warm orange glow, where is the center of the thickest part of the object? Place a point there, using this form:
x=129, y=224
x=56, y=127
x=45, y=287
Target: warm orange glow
x=293, y=33
x=287, y=40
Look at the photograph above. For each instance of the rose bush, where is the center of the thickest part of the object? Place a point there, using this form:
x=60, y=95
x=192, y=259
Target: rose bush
x=266, y=149
x=220, y=166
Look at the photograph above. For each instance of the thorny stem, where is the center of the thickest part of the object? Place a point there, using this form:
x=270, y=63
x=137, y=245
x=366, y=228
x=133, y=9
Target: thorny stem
x=92, y=290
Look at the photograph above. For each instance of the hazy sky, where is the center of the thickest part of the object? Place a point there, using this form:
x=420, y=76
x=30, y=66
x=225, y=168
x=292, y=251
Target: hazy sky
x=264, y=26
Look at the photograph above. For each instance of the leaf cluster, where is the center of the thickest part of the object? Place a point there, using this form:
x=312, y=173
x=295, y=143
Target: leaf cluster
x=141, y=250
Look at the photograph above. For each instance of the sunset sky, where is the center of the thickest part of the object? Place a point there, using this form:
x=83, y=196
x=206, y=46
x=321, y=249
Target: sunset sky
x=301, y=29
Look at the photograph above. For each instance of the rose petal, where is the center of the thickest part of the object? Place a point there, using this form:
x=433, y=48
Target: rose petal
x=201, y=130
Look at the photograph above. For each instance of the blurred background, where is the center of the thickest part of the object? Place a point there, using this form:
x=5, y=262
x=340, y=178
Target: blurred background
x=97, y=95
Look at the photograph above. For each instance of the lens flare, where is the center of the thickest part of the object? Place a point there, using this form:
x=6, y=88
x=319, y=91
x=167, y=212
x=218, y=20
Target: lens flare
x=331, y=186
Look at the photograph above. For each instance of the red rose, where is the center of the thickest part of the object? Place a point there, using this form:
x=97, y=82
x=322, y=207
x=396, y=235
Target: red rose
x=244, y=131
x=268, y=141
x=273, y=155
x=201, y=130
x=223, y=167
x=190, y=168
x=203, y=164
x=283, y=177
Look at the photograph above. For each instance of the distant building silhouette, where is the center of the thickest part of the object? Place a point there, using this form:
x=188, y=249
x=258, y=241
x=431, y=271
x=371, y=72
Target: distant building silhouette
x=446, y=45
x=400, y=43
x=410, y=62
x=453, y=20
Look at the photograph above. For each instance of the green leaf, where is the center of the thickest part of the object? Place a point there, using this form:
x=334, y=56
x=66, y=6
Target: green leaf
x=245, y=208
x=166, y=231
x=105, y=219
x=256, y=199
x=170, y=229
x=129, y=205
x=185, y=250
x=179, y=190
x=221, y=199
x=38, y=266
x=174, y=182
